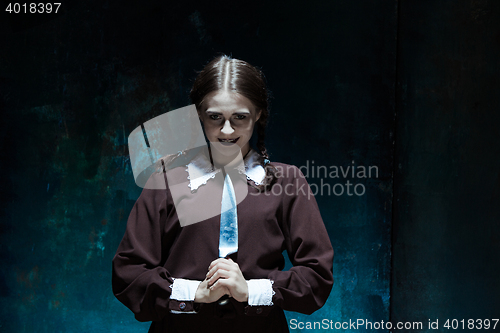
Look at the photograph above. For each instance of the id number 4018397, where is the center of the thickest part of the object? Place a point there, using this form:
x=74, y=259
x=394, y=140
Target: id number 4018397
x=33, y=8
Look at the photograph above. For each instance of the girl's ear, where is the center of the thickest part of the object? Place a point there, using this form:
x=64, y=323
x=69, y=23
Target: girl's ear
x=259, y=112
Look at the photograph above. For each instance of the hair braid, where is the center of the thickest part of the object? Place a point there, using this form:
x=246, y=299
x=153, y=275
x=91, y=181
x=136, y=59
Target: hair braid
x=271, y=172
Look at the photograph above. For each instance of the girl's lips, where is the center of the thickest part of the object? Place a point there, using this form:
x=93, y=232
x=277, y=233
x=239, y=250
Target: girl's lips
x=228, y=141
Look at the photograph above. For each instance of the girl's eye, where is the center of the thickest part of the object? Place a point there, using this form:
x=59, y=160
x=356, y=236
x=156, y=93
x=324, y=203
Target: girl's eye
x=240, y=116
x=214, y=116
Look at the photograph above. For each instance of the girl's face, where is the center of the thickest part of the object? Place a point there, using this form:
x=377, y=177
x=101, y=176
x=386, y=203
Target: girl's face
x=228, y=119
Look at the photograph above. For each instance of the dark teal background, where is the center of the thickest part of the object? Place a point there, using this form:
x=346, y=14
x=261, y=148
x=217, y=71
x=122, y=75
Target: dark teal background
x=410, y=87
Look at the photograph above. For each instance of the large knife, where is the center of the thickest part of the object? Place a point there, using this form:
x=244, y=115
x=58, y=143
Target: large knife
x=228, y=238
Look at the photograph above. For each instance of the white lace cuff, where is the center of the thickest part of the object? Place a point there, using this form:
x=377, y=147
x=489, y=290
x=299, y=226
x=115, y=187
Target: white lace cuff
x=184, y=290
x=260, y=292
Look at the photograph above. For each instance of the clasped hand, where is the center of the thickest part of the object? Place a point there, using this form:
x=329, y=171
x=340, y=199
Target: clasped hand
x=224, y=277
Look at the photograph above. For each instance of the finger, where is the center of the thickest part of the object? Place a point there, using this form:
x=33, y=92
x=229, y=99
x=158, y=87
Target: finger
x=219, y=274
x=224, y=283
x=220, y=283
x=211, y=266
x=215, y=286
x=217, y=261
x=232, y=263
x=220, y=265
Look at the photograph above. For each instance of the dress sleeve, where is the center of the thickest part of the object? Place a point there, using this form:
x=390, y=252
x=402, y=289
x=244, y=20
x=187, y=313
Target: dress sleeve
x=306, y=286
x=139, y=279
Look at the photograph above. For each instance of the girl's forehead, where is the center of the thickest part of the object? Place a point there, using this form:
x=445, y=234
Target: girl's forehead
x=223, y=100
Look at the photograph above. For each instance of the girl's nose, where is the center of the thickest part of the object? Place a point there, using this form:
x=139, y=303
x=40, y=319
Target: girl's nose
x=227, y=129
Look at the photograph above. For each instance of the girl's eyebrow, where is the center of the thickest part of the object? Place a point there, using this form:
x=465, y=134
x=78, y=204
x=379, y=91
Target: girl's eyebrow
x=237, y=111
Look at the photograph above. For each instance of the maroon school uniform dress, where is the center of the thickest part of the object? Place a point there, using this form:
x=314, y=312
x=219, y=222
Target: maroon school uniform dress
x=156, y=250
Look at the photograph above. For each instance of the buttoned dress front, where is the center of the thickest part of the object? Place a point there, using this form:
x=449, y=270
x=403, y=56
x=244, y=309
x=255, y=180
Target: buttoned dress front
x=156, y=249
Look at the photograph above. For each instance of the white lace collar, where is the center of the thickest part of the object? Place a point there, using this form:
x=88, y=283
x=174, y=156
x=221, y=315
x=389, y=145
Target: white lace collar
x=200, y=170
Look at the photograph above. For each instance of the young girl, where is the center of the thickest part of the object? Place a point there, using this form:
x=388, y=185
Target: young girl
x=180, y=276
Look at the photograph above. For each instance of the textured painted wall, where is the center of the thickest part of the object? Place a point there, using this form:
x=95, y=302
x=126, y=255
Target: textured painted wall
x=74, y=85
x=447, y=213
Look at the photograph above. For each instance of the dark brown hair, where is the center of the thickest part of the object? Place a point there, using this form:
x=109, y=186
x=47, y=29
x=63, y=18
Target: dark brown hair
x=240, y=77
